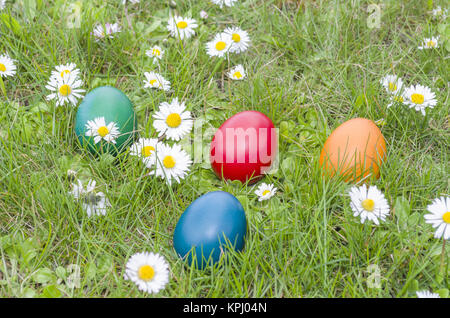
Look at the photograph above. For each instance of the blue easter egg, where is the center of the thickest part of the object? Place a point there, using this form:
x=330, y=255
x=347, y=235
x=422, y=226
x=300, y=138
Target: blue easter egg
x=212, y=223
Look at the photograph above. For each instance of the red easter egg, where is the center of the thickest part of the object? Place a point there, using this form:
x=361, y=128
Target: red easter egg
x=244, y=147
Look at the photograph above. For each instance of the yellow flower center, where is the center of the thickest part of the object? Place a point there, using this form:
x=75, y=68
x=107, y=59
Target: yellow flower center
x=182, y=25
x=65, y=90
x=152, y=82
x=2, y=67
x=368, y=205
x=446, y=217
x=146, y=273
x=236, y=37
x=265, y=192
x=237, y=74
x=103, y=131
x=431, y=43
x=173, y=120
x=65, y=72
x=147, y=151
x=417, y=98
x=169, y=162
x=156, y=52
x=220, y=45
x=398, y=99
x=392, y=87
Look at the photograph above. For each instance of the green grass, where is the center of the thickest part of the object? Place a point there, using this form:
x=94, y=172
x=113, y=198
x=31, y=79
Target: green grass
x=309, y=68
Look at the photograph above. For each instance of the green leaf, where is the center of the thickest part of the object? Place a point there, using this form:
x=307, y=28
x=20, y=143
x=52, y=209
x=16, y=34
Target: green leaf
x=401, y=211
x=443, y=292
x=413, y=286
x=43, y=276
x=11, y=23
x=51, y=291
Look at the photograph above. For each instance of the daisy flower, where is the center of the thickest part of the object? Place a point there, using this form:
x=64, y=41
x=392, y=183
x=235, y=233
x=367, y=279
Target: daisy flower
x=65, y=89
x=265, y=191
x=439, y=217
x=219, y=45
x=132, y=1
x=419, y=97
x=69, y=68
x=78, y=190
x=145, y=148
x=203, y=14
x=182, y=27
x=429, y=43
x=7, y=66
x=368, y=203
x=221, y=3
x=101, y=31
x=173, y=120
x=239, y=39
x=2, y=4
x=155, y=52
x=95, y=203
x=426, y=294
x=392, y=83
x=438, y=12
x=155, y=80
x=172, y=162
x=237, y=73
x=396, y=99
x=98, y=129
x=149, y=271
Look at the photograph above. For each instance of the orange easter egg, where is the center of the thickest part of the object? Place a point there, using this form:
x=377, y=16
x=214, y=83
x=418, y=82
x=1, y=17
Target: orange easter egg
x=355, y=150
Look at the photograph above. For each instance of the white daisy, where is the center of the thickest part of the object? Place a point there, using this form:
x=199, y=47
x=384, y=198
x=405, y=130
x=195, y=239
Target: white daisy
x=237, y=73
x=368, y=203
x=98, y=129
x=172, y=162
x=69, y=68
x=221, y=3
x=439, y=13
x=439, y=217
x=173, y=120
x=397, y=99
x=265, y=191
x=7, y=66
x=429, y=43
x=181, y=27
x=420, y=97
x=155, y=52
x=155, y=80
x=219, y=46
x=65, y=89
x=78, y=190
x=392, y=83
x=427, y=294
x=145, y=148
x=2, y=4
x=94, y=203
x=149, y=271
x=240, y=39
x=107, y=30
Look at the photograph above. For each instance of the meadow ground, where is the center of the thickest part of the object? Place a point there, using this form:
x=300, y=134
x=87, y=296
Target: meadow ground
x=311, y=66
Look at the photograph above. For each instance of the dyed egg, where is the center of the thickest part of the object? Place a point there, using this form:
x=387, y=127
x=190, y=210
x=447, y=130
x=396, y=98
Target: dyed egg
x=354, y=150
x=114, y=106
x=244, y=147
x=208, y=227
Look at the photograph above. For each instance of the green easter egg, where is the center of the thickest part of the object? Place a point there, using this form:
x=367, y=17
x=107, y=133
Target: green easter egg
x=113, y=106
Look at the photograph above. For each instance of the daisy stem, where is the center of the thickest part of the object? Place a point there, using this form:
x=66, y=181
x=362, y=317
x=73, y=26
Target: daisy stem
x=3, y=86
x=441, y=268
